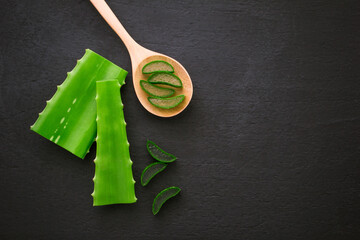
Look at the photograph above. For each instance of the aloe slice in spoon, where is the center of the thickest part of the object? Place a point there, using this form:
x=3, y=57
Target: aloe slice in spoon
x=165, y=78
x=163, y=196
x=157, y=66
x=151, y=171
x=166, y=103
x=159, y=154
x=155, y=90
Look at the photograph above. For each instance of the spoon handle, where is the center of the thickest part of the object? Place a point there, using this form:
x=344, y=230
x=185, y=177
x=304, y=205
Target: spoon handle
x=115, y=24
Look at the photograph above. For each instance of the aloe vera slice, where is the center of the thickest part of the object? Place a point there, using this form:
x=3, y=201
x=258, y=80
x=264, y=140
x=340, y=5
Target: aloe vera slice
x=166, y=103
x=69, y=117
x=155, y=90
x=165, y=78
x=151, y=171
x=157, y=66
x=113, y=181
x=157, y=153
x=163, y=196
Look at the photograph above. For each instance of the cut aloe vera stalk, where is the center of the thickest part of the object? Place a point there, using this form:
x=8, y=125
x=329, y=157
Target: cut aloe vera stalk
x=157, y=153
x=150, y=172
x=69, y=117
x=113, y=181
x=166, y=103
x=163, y=196
x=157, y=66
x=155, y=90
x=165, y=78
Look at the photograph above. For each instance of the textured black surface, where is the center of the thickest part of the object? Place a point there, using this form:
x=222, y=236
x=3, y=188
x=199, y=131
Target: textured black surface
x=268, y=148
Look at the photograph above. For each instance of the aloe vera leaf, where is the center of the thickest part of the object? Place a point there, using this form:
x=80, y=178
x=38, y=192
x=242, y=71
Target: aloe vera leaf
x=113, y=181
x=163, y=196
x=69, y=117
x=157, y=66
x=157, y=153
x=165, y=78
x=166, y=103
x=151, y=171
x=155, y=90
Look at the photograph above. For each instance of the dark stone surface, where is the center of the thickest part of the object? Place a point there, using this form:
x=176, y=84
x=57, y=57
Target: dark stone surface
x=268, y=147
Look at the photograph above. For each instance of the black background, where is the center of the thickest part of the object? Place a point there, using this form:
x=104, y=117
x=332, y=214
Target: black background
x=268, y=147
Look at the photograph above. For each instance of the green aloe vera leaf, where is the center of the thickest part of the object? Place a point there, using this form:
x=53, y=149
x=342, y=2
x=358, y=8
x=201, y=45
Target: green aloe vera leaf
x=165, y=78
x=69, y=117
x=157, y=153
x=163, y=196
x=150, y=172
x=113, y=181
x=155, y=90
x=166, y=103
x=157, y=66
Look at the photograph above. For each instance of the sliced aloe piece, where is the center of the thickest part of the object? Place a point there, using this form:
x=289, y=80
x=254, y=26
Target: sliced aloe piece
x=113, y=181
x=69, y=117
x=159, y=154
x=157, y=66
x=151, y=171
x=165, y=78
x=166, y=103
x=163, y=196
x=155, y=90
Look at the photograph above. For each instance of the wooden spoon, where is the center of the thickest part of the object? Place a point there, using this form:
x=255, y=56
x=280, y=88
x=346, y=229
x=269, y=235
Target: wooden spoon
x=139, y=57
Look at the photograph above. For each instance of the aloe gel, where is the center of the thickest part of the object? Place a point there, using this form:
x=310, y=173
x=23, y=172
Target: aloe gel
x=159, y=154
x=151, y=171
x=157, y=66
x=156, y=91
x=163, y=196
x=165, y=78
x=166, y=103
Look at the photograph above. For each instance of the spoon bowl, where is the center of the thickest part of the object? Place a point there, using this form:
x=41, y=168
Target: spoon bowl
x=141, y=56
x=180, y=71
